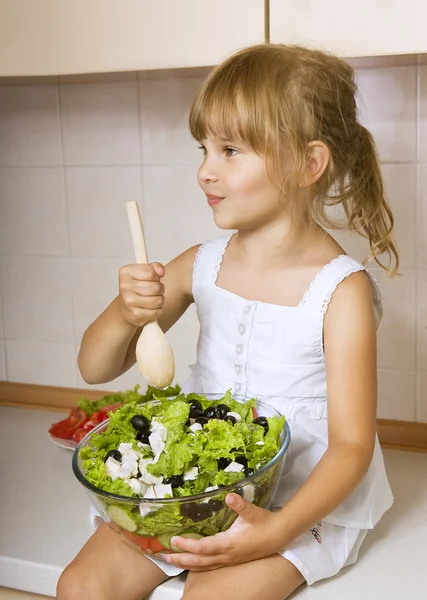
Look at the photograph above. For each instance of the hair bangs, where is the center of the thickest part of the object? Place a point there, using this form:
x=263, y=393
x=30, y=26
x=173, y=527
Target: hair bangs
x=227, y=109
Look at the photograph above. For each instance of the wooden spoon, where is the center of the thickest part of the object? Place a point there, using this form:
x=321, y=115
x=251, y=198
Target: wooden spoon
x=154, y=355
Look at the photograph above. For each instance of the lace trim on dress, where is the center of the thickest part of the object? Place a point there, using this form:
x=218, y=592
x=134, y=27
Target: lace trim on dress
x=315, y=281
x=220, y=257
x=341, y=278
x=196, y=261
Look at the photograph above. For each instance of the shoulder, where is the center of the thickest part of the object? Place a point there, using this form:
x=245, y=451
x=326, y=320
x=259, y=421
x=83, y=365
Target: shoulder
x=351, y=310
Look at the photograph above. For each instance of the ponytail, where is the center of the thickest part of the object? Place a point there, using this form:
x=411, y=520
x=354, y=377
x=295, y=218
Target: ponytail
x=366, y=205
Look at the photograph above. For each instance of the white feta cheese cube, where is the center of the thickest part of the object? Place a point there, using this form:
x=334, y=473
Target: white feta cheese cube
x=137, y=486
x=124, y=447
x=195, y=427
x=161, y=489
x=235, y=415
x=146, y=509
x=130, y=462
x=234, y=467
x=249, y=492
x=150, y=492
x=190, y=473
x=157, y=442
x=147, y=477
x=113, y=467
x=211, y=488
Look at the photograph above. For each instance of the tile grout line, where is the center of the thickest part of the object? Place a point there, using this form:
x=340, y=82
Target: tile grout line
x=3, y=323
x=141, y=149
x=67, y=217
x=417, y=240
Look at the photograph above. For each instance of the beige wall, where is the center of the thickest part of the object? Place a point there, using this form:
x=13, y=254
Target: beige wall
x=72, y=153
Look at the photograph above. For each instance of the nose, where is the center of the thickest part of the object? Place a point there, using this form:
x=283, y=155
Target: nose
x=207, y=172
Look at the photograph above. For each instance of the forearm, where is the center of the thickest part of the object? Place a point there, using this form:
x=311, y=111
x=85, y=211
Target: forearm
x=336, y=475
x=105, y=345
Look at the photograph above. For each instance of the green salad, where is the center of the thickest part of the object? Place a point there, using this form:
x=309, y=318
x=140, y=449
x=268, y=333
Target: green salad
x=176, y=448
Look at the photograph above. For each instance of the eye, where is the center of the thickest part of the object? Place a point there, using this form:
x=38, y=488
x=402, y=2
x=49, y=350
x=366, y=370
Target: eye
x=200, y=147
x=231, y=151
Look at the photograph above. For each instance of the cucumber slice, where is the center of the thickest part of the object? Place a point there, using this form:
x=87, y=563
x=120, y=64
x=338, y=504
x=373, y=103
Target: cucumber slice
x=121, y=518
x=190, y=535
x=165, y=539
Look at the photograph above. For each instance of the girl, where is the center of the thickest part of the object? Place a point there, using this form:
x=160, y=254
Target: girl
x=285, y=315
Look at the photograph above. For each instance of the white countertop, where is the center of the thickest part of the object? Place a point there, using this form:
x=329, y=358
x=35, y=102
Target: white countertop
x=44, y=520
x=44, y=516
x=44, y=511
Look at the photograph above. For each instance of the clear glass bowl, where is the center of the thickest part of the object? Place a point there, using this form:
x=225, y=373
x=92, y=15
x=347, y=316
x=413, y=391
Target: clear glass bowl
x=191, y=516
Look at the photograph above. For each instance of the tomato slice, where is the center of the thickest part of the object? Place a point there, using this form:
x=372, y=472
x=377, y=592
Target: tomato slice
x=148, y=544
x=64, y=429
x=79, y=434
x=254, y=413
x=110, y=407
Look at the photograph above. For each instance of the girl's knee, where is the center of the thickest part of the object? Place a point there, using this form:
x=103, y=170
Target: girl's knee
x=75, y=585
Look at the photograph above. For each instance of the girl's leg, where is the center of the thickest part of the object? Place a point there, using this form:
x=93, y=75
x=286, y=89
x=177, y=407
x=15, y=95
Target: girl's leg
x=107, y=568
x=273, y=577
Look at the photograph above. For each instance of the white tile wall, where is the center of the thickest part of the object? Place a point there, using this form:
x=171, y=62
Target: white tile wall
x=388, y=108
x=37, y=298
x=100, y=124
x=29, y=126
x=97, y=209
x=41, y=363
x=72, y=153
x=33, y=217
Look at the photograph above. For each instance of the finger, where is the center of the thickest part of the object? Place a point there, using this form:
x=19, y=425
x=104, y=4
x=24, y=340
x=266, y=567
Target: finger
x=195, y=561
x=147, y=288
x=139, y=271
x=245, y=509
x=210, y=545
x=159, y=268
x=137, y=302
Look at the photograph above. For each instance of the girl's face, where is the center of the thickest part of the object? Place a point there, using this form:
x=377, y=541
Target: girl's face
x=237, y=186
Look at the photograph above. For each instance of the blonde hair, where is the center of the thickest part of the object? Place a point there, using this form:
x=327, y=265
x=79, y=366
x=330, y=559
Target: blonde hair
x=277, y=99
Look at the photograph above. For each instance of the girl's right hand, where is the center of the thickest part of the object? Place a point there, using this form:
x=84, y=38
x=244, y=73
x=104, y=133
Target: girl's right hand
x=141, y=293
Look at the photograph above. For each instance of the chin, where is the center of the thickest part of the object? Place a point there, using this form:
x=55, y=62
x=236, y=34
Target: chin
x=224, y=222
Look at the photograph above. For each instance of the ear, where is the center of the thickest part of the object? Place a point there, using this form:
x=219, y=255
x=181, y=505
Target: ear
x=318, y=157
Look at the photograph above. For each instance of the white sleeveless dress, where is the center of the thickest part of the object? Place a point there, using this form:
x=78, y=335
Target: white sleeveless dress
x=275, y=353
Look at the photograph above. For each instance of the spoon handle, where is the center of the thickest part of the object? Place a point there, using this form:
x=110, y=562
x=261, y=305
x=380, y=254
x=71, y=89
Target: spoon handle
x=137, y=232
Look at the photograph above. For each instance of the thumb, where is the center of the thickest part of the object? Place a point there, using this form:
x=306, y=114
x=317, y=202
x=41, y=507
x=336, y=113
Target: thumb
x=160, y=270
x=242, y=507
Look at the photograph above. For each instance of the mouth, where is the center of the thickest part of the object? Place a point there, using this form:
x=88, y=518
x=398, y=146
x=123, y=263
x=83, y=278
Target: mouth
x=214, y=200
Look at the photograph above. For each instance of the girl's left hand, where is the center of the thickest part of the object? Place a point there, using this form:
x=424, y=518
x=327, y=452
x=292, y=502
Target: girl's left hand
x=256, y=533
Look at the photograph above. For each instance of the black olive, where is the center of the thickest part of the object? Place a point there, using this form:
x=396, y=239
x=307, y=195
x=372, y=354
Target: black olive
x=113, y=454
x=188, y=422
x=196, y=404
x=223, y=463
x=223, y=409
x=263, y=422
x=249, y=472
x=231, y=419
x=140, y=422
x=187, y=509
x=201, y=511
x=175, y=481
x=202, y=420
x=142, y=436
x=212, y=412
x=216, y=505
x=242, y=460
x=239, y=490
x=195, y=412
